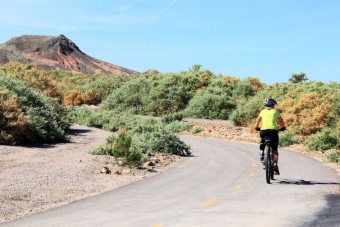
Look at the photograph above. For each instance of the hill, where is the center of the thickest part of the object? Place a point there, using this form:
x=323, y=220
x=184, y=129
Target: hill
x=49, y=53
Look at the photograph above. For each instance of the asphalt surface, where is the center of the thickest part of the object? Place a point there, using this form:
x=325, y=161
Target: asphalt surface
x=223, y=184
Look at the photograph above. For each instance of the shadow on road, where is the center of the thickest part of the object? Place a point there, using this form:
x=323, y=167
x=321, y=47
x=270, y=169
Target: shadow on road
x=38, y=145
x=78, y=131
x=330, y=215
x=304, y=182
x=73, y=132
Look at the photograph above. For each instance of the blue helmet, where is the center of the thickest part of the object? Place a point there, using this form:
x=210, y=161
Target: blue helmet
x=269, y=102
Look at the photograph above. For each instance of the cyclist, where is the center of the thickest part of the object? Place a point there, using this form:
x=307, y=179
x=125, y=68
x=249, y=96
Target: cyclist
x=268, y=119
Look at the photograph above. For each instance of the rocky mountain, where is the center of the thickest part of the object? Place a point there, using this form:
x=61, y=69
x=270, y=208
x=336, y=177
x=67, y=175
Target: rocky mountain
x=49, y=52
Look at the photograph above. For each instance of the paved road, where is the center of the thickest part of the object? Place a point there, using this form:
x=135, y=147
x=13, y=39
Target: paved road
x=222, y=185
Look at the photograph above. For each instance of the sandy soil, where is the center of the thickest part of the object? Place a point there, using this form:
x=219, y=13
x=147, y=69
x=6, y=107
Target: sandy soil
x=36, y=178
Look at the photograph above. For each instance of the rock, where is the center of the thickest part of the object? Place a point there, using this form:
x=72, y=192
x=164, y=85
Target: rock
x=118, y=172
x=151, y=163
x=126, y=171
x=152, y=171
x=105, y=170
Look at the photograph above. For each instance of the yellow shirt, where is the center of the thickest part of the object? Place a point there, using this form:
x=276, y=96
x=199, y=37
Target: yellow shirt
x=269, y=118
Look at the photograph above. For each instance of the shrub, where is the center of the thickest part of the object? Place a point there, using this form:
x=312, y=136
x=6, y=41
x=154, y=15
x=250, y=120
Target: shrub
x=172, y=117
x=164, y=141
x=33, y=78
x=13, y=122
x=104, y=85
x=84, y=116
x=288, y=138
x=197, y=130
x=76, y=97
x=308, y=114
x=177, y=126
x=135, y=145
x=323, y=140
x=105, y=119
x=246, y=111
x=119, y=146
x=212, y=103
x=169, y=93
x=129, y=97
x=244, y=88
x=332, y=156
x=44, y=123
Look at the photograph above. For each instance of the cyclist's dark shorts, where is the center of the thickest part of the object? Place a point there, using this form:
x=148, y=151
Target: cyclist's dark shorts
x=273, y=136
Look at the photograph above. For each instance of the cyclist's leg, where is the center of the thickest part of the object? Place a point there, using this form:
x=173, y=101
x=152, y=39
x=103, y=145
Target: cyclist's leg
x=262, y=145
x=276, y=156
x=262, y=135
x=275, y=142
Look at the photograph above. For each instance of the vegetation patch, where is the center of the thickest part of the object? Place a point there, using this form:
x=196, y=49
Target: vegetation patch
x=28, y=116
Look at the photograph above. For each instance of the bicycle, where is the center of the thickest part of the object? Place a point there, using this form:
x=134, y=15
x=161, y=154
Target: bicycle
x=269, y=158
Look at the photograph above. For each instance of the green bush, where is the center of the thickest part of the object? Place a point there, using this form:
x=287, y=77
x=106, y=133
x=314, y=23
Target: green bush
x=119, y=146
x=177, y=126
x=82, y=116
x=323, y=140
x=243, y=88
x=246, y=111
x=157, y=95
x=197, y=130
x=172, y=117
x=169, y=93
x=129, y=97
x=164, y=141
x=332, y=156
x=46, y=120
x=105, y=119
x=136, y=138
x=212, y=103
x=288, y=138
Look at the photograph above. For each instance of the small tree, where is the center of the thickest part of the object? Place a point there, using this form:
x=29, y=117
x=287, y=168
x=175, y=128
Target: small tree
x=196, y=67
x=298, y=77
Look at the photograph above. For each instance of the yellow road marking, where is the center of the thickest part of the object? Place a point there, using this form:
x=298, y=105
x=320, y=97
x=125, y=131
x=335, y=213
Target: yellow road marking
x=208, y=203
x=156, y=225
x=254, y=164
x=250, y=158
x=251, y=174
x=243, y=153
x=238, y=186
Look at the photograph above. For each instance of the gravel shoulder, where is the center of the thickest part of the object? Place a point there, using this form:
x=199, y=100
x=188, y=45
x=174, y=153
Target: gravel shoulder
x=43, y=176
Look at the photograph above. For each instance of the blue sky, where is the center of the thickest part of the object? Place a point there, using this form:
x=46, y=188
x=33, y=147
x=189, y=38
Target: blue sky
x=269, y=39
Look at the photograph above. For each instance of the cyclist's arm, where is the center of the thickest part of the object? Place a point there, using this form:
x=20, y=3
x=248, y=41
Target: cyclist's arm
x=281, y=122
x=258, y=122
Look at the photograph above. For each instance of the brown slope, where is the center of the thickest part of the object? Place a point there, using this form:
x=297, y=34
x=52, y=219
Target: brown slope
x=49, y=52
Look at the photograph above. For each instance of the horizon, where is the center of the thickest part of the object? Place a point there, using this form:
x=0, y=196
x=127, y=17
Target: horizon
x=240, y=38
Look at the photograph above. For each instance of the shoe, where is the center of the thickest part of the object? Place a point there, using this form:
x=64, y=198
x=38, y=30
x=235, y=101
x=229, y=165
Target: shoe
x=276, y=169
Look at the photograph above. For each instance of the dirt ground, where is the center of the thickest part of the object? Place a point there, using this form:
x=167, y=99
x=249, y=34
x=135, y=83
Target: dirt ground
x=40, y=177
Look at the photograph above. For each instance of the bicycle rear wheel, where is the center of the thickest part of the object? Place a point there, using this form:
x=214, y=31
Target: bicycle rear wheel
x=267, y=164
x=272, y=170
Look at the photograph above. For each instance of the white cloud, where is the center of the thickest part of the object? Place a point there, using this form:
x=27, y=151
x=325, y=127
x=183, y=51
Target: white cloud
x=160, y=12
